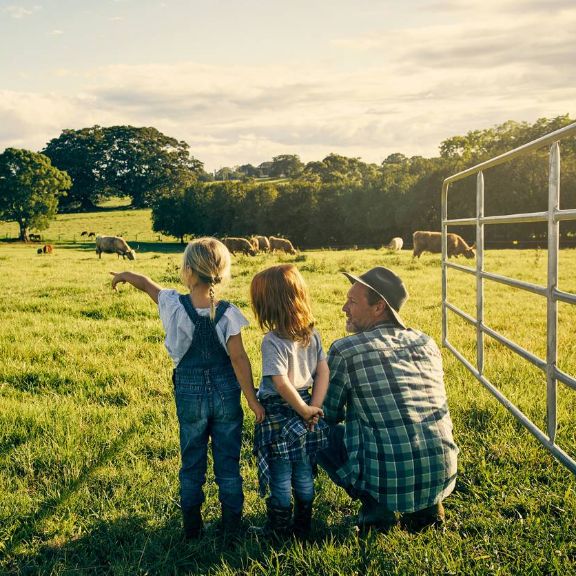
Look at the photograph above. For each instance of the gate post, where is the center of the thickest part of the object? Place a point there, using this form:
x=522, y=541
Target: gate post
x=552, y=305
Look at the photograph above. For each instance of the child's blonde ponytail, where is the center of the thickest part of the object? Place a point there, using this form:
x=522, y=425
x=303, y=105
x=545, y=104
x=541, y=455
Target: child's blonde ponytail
x=212, y=307
x=209, y=259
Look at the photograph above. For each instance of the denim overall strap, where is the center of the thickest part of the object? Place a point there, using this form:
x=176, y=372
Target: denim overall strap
x=206, y=350
x=194, y=316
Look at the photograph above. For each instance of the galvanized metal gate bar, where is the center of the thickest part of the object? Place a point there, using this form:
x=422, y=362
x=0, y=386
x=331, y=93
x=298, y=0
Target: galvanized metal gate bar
x=553, y=216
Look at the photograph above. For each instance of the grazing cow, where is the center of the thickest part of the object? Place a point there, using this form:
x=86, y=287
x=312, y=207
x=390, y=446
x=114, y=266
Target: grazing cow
x=48, y=249
x=263, y=243
x=239, y=245
x=91, y=234
x=84, y=233
x=114, y=245
x=395, y=244
x=282, y=245
x=432, y=242
x=255, y=244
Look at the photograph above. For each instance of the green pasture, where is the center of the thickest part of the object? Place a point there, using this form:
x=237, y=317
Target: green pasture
x=89, y=452
x=112, y=220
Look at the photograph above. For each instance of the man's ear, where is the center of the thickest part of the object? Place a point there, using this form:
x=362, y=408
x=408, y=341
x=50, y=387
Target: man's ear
x=382, y=308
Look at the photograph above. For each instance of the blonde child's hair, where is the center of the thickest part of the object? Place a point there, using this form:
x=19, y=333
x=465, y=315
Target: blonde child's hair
x=209, y=259
x=281, y=303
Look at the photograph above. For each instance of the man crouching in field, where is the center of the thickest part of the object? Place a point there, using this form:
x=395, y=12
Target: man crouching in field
x=394, y=450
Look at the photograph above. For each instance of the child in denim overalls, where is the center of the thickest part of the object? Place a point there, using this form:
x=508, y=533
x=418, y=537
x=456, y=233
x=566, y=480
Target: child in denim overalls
x=204, y=341
x=286, y=441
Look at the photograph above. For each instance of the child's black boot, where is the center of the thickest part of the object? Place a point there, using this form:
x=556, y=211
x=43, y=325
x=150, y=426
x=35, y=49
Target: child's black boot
x=231, y=523
x=278, y=522
x=302, y=518
x=192, y=520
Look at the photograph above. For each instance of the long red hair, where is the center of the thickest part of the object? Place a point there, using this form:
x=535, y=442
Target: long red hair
x=281, y=303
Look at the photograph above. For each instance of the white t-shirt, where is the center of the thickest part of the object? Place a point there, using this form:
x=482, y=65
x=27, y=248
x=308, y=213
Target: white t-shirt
x=180, y=329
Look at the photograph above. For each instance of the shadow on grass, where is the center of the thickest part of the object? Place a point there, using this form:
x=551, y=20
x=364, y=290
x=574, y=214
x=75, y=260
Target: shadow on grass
x=130, y=545
x=140, y=247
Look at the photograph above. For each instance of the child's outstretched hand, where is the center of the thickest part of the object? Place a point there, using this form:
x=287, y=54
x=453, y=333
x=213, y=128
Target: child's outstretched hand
x=118, y=278
x=258, y=410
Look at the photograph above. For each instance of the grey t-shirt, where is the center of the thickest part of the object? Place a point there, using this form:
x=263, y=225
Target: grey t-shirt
x=282, y=357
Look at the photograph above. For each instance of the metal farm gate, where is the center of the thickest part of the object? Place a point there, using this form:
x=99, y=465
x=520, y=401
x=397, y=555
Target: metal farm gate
x=553, y=216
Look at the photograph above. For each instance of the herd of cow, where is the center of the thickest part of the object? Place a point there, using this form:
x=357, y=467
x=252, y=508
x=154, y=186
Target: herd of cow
x=423, y=241
x=249, y=246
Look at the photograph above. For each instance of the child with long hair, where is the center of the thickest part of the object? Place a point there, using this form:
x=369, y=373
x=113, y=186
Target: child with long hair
x=291, y=433
x=210, y=368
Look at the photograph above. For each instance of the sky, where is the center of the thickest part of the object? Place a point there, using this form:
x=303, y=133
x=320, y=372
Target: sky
x=242, y=81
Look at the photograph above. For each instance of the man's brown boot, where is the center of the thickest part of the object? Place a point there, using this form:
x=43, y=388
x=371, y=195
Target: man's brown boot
x=422, y=519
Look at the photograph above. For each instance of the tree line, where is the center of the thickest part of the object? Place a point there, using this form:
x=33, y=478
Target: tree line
x=338, y=201
x=341, y=201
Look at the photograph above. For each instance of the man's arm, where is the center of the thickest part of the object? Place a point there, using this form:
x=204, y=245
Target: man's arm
x=320, y=386
x=337, y=395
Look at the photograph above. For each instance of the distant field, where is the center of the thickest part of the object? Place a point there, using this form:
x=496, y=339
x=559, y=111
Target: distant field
x=88, y=434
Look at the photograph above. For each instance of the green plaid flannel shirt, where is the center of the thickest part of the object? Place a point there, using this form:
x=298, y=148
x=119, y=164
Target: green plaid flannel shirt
x=387, y=386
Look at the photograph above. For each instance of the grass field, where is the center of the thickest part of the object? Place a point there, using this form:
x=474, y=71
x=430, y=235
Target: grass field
x=88, y=433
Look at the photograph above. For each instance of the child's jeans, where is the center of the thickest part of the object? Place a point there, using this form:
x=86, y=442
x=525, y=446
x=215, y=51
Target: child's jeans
x=285, y=476
x=206, y=409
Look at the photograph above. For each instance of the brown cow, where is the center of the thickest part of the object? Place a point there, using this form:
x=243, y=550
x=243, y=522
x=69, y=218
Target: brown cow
x=282, y=245
x=239, y=245
x=263, y=243
x=114, y=245
x=432, y=242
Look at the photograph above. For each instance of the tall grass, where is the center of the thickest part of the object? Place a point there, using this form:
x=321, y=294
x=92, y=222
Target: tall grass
x=88, y=434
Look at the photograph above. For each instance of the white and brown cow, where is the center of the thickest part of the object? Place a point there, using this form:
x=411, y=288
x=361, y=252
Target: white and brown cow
x=425, y=241
x=281, y=245
x=114, y=245
x=395, y=244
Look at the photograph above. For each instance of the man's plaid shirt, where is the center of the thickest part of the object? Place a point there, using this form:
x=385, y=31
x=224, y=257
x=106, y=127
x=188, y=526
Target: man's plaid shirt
x=284, y=435
x=387, y=386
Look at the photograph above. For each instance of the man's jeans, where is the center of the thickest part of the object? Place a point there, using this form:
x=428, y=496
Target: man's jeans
x=285, y=476
x=335, y=456
x=210, y=409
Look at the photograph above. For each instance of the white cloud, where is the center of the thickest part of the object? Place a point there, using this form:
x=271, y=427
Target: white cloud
x=410, y=89
x=18, y=12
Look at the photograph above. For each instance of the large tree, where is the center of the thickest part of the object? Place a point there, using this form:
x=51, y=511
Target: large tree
x=81, y=154
x=141, y=163
x=29, y=189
